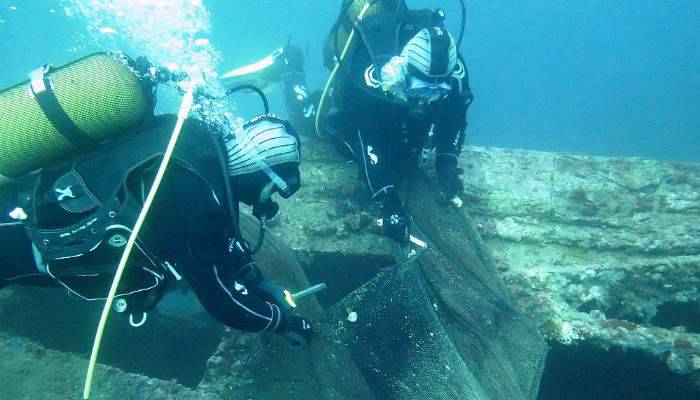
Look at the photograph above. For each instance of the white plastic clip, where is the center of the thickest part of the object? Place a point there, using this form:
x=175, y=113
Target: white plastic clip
x=140, y=323
x=172, y=270
x=418, y=242
x=37, y=83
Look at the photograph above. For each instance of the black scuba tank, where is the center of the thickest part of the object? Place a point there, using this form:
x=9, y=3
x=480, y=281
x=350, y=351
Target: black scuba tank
x=62, y=111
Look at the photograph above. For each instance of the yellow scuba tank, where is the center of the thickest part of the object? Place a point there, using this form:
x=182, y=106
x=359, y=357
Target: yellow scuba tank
x=61, y=111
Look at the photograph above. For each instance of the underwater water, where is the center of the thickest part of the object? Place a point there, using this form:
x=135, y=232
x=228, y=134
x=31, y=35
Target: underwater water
x=609, y=79
x=585, y=77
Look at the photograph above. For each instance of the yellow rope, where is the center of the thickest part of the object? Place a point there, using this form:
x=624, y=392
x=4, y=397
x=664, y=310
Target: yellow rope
x=182, y=115
x=330, y=80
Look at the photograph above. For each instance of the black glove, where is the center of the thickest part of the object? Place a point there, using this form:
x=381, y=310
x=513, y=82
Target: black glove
x=448, y=176
x=298, y=330
x=275, y=294
x=251, y=276
x=396, y=224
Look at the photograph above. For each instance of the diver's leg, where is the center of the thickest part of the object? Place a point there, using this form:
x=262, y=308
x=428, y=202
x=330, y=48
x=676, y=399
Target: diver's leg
x=301, y=104
x=17, y=265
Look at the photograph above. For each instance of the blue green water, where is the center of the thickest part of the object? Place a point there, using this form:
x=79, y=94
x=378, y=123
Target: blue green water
x=596, y=77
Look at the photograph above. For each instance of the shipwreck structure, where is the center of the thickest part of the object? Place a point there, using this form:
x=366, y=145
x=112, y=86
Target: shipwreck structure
x=600, y=257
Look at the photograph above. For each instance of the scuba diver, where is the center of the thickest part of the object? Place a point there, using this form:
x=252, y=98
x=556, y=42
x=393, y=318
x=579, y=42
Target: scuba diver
x=66, y=217
x=399, y=91
x=283, y=67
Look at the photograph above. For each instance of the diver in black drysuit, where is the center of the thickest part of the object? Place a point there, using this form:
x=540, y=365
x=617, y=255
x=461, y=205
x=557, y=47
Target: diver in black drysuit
x=189, y=232
x=389, y=128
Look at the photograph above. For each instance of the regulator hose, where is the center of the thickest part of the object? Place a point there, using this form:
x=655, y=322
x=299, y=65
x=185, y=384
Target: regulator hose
x=266, y=104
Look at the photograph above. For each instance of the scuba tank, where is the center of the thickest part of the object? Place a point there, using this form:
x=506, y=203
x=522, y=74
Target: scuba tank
x=61, y=111
x=350, y=11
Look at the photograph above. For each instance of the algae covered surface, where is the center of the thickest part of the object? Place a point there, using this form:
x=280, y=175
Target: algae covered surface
x=30, y=371
x=602, y=253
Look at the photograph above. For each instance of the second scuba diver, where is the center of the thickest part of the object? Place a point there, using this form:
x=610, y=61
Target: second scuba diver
x=399, y=91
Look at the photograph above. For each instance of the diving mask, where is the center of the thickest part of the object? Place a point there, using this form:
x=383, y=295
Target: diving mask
x=397, y=81
x=424, y=91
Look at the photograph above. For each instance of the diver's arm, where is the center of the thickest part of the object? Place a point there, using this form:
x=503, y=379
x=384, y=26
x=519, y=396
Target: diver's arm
x=450, y=134
x=451, y=119
x=17, y=263
x=373, y=154
x=301, y=105
x=193, y=233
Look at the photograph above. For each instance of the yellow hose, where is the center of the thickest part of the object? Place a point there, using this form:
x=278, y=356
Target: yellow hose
x=330, y=80
x=182, y=115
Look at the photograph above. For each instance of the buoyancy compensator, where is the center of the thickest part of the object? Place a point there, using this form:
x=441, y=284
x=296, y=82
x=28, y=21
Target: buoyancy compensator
x=80, y=216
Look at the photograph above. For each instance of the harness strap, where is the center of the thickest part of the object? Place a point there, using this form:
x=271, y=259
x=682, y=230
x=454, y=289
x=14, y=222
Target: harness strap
x=41, y=88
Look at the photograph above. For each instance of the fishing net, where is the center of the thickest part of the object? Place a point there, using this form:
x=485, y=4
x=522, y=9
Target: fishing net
x=438, y=326
x=441, y=325
x=265, y=367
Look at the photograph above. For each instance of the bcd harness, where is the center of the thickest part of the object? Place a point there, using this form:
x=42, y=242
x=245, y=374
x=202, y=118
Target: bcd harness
x=99, y=194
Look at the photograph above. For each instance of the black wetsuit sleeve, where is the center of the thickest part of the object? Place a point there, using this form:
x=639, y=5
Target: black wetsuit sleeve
x=192, y=231
x=451, y=123
x=17, y=265
x=301, y=104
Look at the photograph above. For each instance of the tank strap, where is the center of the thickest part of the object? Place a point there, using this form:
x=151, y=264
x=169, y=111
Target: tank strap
x=40, y=86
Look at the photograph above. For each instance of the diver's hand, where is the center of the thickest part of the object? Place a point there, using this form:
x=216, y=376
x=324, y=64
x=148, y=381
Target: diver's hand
x=275, y=294
x=448, y=176
x=294, y=57
x=451, y=187
x=298, y=330
x=252, y=278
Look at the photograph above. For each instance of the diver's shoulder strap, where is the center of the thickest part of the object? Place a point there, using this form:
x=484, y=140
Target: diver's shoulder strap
x=105, y=169
x=41, y=87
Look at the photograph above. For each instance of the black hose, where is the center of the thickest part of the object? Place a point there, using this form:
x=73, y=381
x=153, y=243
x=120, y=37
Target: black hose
x=261, y=236
x=463, y=26
x=260, y=93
